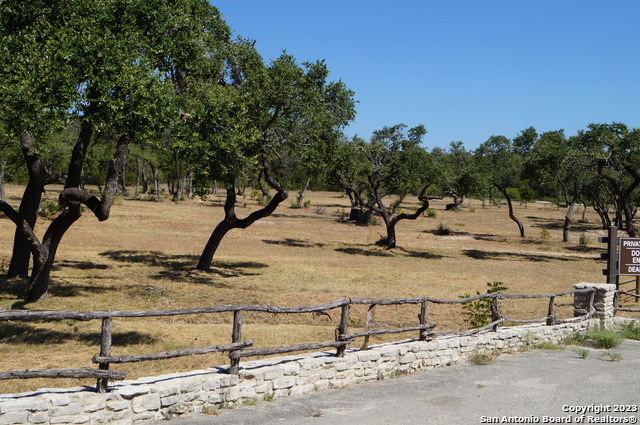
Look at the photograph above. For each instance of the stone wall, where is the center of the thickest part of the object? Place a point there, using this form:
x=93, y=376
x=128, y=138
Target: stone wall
x=149, y=399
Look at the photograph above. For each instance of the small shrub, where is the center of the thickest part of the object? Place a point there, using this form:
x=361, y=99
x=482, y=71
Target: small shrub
x=307, y=204
x=584, y=240
x=472, y=210
x=478, y=313
x=269, y=397
x=251, y=401
x=431, y=213
x=602, y=338
x=49, y=208
x=443, y=230
x=577, y=338
x=295, y=206
x=614, y=357
x=459, y=224
x=630, y=331
x=544, y=234
x=548, y=346
x=482, y=358
x=596, y=338
x=582, y=352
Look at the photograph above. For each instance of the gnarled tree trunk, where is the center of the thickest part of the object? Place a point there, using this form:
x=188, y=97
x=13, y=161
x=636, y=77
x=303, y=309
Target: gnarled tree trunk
x=511, y=214
x=28, y=210
x=231, y=221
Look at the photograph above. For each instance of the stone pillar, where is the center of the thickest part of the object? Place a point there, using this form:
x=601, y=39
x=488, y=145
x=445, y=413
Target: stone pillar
x=602, y=301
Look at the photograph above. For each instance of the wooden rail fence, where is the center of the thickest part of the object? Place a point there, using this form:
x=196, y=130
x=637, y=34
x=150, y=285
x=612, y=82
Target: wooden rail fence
x=630, y=294
x=239, y=348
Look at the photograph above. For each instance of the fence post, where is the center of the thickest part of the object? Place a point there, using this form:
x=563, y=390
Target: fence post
x=371, y=312
x=637, y=289
x=236, y=336
x=105, y=350
x=343, y=329
x=551, y=319
x=423, y=319
x=495, y=312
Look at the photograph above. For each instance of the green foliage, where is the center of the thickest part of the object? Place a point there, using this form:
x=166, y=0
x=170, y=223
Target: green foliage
x=597, y=338
x=49, y=208
x=295, y=206
x=582, y=352
x=630, y=331
x=478, y=313
x=584, y=240
x=307, y=204
x=431, y=213
x=614, y=357
x=548, y=346
x=482, y=358
x=443, y=230
x=544, y=234
x=602, y=338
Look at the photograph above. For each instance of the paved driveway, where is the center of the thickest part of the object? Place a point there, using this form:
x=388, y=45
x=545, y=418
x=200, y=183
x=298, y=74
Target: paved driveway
x=540, y=385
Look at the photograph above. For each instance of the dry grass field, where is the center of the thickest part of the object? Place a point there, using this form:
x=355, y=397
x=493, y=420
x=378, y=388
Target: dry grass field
x=143, y=258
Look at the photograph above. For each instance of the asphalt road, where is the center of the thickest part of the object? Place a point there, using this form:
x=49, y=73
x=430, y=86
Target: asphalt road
x=539, y=386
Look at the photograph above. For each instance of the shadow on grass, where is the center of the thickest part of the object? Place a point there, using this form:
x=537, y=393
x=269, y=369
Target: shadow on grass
x=477, y=254
x=67, y=289
x=153, y=258
x=587, y=249
x=295, y=243
x=180, y=268
x=21, y=333
x=489, y=237
x=82, y=265
x=545, y=223
x=371, y=251
x=11, y=289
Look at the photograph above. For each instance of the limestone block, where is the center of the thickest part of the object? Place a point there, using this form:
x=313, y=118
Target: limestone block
x=169, y=400
x=14, y=405
x=291, y=369
x=38, y=418
x=273, y=372
x=117, y=405
x=72, y=409
x=283, y=382
x=130, y=391
x=15, y=417
x=77, y=419
x=146, y=402
x=60, y=400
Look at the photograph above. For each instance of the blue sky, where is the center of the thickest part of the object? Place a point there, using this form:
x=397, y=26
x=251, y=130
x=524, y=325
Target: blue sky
x=466, y=69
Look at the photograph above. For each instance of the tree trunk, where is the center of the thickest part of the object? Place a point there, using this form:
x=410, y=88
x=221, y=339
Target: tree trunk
x=230, y=222
x=206, y=258
x=43, y=262
x=584, y=212
x=628, y=217
x=511, y=214
x=31, y=198
x=301, y=194
x=391, y=234
x=567, y=222
x=122, y=178
x=72, y=197
x=3, y=167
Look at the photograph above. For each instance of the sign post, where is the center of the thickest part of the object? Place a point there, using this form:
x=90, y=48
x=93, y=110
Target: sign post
x=611, y=255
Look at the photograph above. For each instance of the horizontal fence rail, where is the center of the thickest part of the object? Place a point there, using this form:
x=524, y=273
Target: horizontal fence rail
x=239, y=348
x=633, y=295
